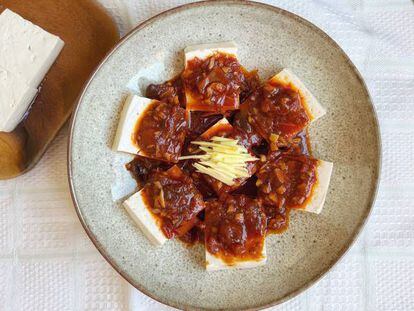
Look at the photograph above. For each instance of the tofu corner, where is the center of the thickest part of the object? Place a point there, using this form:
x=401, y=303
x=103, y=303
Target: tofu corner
x=286, y=76
x=133, y=106
x=317, y=201
x=203, y=51
x=214, y=263
x=27, y=57
x=136, y=208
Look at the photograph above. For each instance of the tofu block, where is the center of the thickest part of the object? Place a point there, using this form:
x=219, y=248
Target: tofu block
x=15, y=98
x=214, y=263
x=314, y=109
x=134, y=105
x=146, y=221
x=202, y=51
x=231, y=241
x=26, y=54
x=152, y=129
x=317, y=200
x=223, y=128
x=216, y=90
x=26, y=50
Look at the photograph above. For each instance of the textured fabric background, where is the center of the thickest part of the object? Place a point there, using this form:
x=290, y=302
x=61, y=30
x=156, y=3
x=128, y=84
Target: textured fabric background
x=48, y=263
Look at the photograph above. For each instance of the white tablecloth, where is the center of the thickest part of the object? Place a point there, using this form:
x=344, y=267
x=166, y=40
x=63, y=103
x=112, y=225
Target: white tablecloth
x=48, y=263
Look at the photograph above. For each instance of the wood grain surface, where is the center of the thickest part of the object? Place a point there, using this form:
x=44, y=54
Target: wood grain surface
x=89, y=33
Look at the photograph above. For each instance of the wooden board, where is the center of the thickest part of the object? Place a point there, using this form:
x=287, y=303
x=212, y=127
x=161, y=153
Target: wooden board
x=89, y=33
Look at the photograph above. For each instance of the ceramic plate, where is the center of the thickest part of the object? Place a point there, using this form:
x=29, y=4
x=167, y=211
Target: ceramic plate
x=269, y=39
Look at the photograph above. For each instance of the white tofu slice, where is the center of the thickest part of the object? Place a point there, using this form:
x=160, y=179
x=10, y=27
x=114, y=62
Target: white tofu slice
x=286, y=77
x=137, y=209
x=133, y=107
x=214, y=263
x=26, y=50
x=15, y=98
x=203, y=51
x=317, y=200
x=217, y=126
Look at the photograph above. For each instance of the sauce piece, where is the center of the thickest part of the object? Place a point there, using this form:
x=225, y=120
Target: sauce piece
x=249, y=136
x=287, y=180
x=213, y=84
x=160, y=131
x=297, y=145
x=200, y=122
x=277, y=218
x=141, y=168
x=194, y=236
x=174, y=200
x=250, y=83
x=276, y=111
x=198, y=179
x=235, y=229
x=171, y=92
x=300, y=144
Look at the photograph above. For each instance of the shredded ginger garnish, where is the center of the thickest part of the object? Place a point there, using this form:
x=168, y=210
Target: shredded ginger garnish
x=223, y=159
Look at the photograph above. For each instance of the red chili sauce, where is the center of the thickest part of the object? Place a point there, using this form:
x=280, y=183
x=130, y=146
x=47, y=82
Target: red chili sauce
x=171, y=92
x=201, y=121
x=174, y=200
x=141, y=168
x=283, y=183
x=235, y=228
x=213, y=84
x=276, y=109
x=160, y=131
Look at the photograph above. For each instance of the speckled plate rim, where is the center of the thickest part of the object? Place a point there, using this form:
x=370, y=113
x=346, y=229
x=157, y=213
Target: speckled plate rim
x=159, y=16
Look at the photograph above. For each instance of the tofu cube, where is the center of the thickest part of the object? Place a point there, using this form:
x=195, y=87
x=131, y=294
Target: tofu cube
x=151, y=128
x=281, y=108
x=216, y=68
x=231, y=243
x=220, y=128
x=26, y=54
x=299, y=181
x=312, y=106
x=138, y=210
x=224, y=129
x=317, y=200
x=15, y=98
x=215, y=263
x=134, y=106
x=203, y=51
x=26, y=50
x=161, y=210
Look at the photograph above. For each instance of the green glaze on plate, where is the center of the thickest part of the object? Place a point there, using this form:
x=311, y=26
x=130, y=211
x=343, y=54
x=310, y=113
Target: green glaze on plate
x=269, y=39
